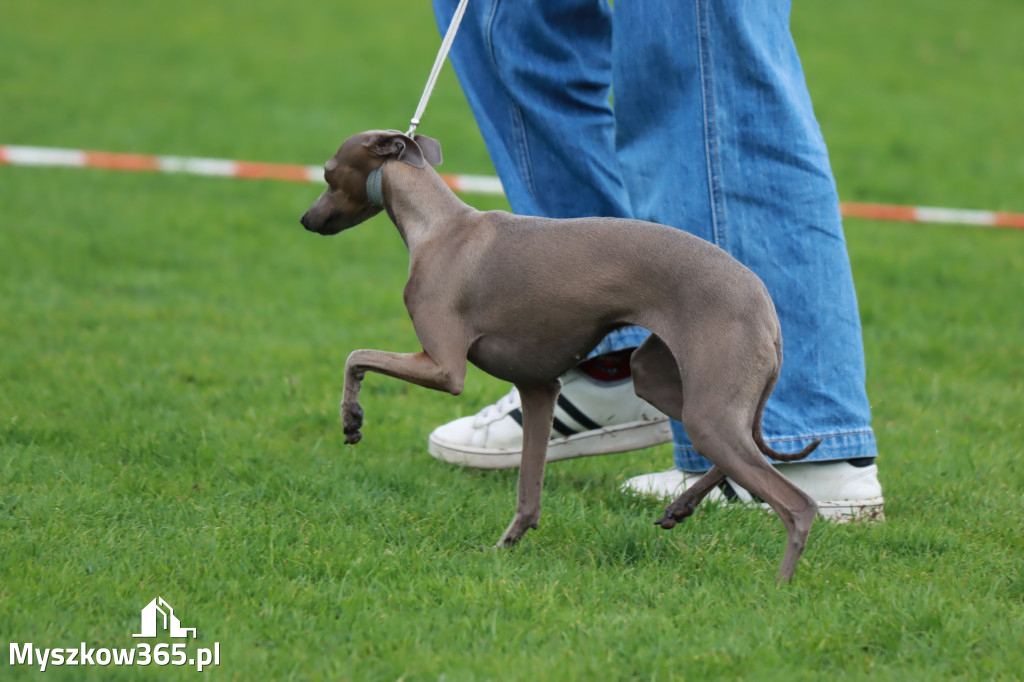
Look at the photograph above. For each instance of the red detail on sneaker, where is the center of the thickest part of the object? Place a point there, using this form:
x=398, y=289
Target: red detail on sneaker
x=612, y=366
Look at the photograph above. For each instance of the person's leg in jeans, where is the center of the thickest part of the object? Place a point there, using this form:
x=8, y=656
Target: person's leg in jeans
x=743, y=164
x=715, y=134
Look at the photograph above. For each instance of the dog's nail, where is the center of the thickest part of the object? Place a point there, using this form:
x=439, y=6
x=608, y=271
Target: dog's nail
x=506, y=543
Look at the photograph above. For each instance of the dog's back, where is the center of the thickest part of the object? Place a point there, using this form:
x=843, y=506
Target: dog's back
x=541, y=284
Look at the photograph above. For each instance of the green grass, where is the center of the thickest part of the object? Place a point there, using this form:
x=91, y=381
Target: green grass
x=172, y=354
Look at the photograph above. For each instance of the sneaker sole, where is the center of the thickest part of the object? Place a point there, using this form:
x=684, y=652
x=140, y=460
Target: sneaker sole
x=869, y=510
x=864, y=510
x=604, y=441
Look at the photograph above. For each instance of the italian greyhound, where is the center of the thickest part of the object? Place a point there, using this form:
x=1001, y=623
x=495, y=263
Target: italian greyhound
x=525, y=299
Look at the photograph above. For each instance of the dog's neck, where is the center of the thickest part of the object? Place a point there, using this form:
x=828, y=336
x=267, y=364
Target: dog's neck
x=417, y=200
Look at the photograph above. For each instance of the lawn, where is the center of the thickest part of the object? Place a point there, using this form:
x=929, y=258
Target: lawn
x=173, y=350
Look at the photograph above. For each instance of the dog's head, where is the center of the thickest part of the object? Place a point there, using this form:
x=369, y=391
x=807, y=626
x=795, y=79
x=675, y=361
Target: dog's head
x=348, y=200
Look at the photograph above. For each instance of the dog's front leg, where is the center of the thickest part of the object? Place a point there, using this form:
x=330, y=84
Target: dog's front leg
x=538, y=415
x=416, y=368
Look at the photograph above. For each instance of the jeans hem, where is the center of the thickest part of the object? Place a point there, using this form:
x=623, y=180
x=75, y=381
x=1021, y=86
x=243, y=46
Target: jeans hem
x=834, y=446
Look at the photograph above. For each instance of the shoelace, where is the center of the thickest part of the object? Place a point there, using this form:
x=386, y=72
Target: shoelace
x=506, y=404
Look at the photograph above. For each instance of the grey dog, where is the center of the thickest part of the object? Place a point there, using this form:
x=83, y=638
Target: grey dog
x=526, y=298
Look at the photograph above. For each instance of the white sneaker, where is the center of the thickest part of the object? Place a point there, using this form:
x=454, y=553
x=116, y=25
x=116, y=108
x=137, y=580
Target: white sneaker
x=591, y=418
x=844, y=492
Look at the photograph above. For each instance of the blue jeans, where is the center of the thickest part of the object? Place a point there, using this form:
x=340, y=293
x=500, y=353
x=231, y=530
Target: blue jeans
x=712, y=132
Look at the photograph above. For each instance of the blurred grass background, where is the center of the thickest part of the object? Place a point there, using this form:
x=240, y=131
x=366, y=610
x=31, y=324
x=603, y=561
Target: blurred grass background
x=172, y=354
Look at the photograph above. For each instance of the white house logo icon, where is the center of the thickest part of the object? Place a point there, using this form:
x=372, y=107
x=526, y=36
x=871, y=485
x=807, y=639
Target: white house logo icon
x=168, y=619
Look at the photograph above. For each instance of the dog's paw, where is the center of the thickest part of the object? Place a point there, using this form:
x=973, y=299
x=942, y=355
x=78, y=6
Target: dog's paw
x=352, y=421
x=505, y=543
x=665, y=523
x=516, y=530
x=674, y=514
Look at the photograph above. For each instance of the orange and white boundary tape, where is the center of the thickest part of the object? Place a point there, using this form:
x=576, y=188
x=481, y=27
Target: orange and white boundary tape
x=932, y=214
x=16, y=155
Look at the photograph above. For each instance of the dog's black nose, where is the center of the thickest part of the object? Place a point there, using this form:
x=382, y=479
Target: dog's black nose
x=307, y=221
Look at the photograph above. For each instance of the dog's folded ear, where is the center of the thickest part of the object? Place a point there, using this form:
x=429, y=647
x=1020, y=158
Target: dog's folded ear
x=416, y=151
x=393, y=144
x=431, y=149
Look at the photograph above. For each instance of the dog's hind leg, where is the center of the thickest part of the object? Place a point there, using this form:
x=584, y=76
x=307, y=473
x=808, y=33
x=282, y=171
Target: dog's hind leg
x=656, y=379
x=729, y=444
x=656, y=376
x=538, y=415
x=686, y=504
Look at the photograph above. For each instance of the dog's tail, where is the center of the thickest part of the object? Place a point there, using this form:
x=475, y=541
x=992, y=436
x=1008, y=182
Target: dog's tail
x=759, y=438
x=781, y=456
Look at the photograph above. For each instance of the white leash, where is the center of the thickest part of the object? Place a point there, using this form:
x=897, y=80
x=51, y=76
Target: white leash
x=442, y=53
